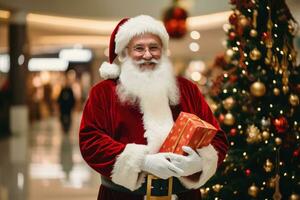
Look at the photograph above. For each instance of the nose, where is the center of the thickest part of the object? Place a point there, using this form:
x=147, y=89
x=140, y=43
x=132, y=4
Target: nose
x=147, y=55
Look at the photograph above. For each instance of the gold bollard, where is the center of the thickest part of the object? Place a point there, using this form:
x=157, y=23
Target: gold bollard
x=149, y=185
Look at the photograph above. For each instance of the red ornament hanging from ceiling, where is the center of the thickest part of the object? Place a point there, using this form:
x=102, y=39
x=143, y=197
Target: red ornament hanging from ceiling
x=174, y=20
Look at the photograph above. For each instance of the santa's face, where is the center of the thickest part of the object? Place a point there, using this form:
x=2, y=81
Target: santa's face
x=145, y=50
x=147, y=84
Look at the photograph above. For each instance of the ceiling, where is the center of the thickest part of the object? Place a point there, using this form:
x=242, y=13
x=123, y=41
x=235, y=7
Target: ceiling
x=112, y=9
x=49, y=38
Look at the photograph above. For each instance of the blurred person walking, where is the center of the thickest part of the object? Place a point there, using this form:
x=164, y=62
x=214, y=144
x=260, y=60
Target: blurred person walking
x=66, y=102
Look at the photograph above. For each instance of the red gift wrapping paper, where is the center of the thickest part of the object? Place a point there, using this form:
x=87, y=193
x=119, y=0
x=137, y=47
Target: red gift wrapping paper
x=188, y=130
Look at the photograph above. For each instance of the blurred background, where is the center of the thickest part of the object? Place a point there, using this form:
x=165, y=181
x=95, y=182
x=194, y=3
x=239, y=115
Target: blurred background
x=50, y=53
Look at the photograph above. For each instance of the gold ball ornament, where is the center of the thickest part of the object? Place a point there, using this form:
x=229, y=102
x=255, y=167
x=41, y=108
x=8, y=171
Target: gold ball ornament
x=229, y=52
x=276, y=91
x=217, y=187
x=258, y=89
x=285, y=89
x=229, y=119
x=253, y=190
x=253, y=33
x=294, y=100
x=294, y=197
x=285, y=81
x=255, y=54
x=228, y=55
x=228, y=103
x=268, y=166
x=243, y=21
x=265, y=135
x=278, y=141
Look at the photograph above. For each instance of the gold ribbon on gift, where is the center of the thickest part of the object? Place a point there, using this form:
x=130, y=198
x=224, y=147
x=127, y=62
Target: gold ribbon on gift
x=180, y=135
x=149, y=187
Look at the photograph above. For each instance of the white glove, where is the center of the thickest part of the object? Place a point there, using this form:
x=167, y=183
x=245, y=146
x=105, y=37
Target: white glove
x=158, y=165
x=190, y=164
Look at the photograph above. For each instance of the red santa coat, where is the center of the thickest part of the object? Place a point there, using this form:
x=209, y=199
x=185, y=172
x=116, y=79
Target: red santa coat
x=112, y=137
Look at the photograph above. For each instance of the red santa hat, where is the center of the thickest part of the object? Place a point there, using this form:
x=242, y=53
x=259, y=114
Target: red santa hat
x=125, y=30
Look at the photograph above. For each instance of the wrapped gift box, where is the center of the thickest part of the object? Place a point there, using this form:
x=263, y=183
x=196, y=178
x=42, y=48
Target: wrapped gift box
x=188, y=130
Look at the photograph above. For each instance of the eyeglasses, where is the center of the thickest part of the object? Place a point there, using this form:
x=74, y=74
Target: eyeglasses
x=154, y=49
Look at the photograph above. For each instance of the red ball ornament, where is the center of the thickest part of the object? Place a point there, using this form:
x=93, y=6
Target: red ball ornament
x=232, y=35
x=233, y=132
x=248, y=172
x=182, y=27
x=175, y=21
x=233, y=19
x=179, y=13
x=281, y=124
x=265, y=36
x=221, y=118
x=296, y=153
x=171, y=25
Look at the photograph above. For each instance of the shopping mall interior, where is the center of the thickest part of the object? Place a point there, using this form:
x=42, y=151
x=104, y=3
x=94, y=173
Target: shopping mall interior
x=46, y=45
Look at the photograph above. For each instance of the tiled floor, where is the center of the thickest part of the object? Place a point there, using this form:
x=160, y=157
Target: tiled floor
x=46, y=164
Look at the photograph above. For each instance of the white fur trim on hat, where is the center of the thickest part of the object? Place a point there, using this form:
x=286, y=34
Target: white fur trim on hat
x=210, y=163
x=109, y=71
x=137, y=26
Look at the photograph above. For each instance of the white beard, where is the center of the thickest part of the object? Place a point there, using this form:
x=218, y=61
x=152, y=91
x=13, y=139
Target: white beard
x=154, y=90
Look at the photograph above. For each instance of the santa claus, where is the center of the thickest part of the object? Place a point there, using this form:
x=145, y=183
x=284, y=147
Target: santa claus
x=128, y=116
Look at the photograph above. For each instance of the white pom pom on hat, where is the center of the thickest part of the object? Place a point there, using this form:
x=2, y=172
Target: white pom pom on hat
x=109, y=70
x=125, y=30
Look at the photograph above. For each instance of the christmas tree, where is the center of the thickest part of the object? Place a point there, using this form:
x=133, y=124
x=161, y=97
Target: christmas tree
x=257, y=104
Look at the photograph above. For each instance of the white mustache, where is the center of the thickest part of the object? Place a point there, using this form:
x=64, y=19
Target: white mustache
x=140, y=62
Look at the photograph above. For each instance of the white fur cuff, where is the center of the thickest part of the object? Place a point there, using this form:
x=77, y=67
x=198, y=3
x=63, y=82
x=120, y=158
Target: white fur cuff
x=109, y=71
x=210, y=163
x=127, y=168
